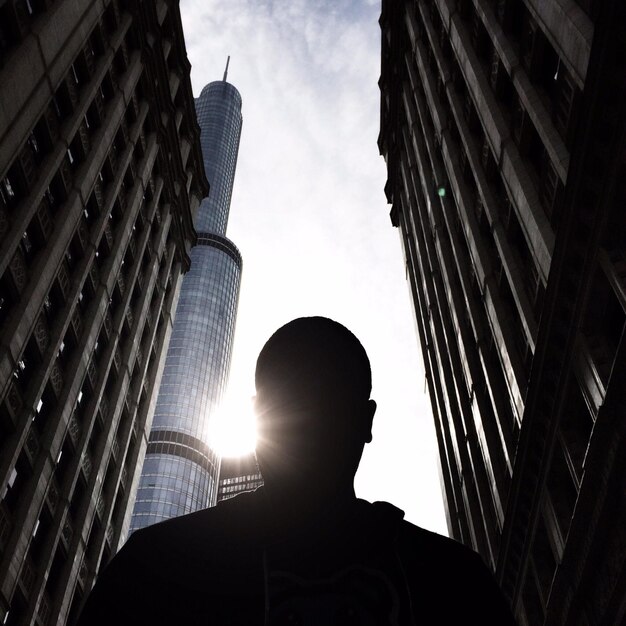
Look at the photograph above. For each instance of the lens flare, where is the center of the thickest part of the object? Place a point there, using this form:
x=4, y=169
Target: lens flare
x=232, y=432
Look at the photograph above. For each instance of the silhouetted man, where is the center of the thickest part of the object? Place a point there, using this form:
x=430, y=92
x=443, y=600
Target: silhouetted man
x=302, y=549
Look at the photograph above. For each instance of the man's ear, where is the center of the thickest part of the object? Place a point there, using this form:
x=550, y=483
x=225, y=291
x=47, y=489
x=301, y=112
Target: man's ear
x=369, y=417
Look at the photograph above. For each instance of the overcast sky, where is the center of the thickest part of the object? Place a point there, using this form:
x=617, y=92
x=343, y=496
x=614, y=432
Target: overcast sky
x=310, y=217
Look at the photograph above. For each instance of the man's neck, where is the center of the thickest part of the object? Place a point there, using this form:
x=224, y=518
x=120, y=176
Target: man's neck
x=308, y=507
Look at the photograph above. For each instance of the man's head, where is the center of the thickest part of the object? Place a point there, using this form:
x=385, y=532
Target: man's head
x=313, y=382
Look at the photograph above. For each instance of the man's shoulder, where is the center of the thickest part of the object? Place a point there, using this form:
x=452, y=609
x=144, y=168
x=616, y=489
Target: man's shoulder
x=443, y=570
x=428, y=541
x=196, y=536
x=163, y=573
x=223, y=513
x=437, y=553
x=415, y=538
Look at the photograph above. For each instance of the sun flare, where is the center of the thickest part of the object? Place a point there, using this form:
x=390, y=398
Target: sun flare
x=232, y=432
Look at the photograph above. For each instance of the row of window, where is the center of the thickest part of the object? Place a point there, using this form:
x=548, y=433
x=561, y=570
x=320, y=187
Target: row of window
x=604, y=321
x=497, y=464
x=238, y=488
x=240, y=479
x=67, y=455
x=65, y=293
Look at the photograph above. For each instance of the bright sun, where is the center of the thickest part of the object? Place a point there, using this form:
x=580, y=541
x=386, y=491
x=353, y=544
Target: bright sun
x=233, y=430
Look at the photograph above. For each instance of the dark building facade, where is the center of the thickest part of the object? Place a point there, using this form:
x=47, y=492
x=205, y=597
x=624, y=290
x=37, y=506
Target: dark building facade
x=100, y=172
x=238, y=474
x=503, y=129
x=181, y=469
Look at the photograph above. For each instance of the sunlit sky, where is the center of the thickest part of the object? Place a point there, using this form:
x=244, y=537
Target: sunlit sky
x=310, y=217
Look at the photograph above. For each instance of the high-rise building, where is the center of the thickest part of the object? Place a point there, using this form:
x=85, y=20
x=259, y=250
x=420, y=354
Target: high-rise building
x=180, y=472
x=238, y=474
x=503, y=129
x=100, y=171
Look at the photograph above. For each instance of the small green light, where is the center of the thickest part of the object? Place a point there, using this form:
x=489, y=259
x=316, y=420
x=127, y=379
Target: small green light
x=441, y=192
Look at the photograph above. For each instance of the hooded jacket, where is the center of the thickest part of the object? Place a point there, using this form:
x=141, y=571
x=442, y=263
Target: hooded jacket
x=230, y=565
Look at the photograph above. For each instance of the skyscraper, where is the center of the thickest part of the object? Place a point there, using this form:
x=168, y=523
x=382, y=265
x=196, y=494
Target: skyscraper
x=180, y=473
x=100, y=171
x=504, y=133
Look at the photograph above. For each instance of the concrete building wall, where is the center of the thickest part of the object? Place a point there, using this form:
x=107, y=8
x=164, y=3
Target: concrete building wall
x=509, y=224
x=100, y=170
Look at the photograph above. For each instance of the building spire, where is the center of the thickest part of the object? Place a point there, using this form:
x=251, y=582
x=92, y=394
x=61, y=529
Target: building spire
x=226, y=70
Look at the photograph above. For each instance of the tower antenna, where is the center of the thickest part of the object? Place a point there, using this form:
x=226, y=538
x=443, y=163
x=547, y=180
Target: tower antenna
x=226, y=70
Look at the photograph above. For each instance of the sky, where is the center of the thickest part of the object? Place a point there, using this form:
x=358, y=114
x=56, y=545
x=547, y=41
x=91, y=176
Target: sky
x=310, y=217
